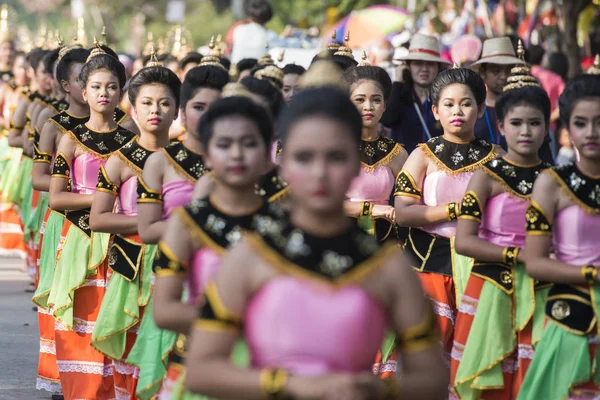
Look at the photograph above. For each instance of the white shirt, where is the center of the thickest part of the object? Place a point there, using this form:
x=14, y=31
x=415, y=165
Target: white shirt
x=249, y=41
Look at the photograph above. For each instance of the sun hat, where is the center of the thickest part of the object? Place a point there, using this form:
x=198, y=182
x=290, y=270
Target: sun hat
x=423, y=48
x=498, y=51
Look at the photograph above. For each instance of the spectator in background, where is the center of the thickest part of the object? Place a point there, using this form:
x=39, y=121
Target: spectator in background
x=381, y=54
x=559, y=64
x=249, y=40
x=245, y=66
x=291, y=75
x=552, y=83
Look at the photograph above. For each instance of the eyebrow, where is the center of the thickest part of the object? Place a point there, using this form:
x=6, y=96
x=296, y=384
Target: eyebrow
x=464, y=98
x=108, y=83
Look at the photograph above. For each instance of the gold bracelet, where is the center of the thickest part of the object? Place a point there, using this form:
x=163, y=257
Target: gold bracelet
x=510, y=255
x=273, y=382
x=451, y=211
x=589, y=273
x=366, y=208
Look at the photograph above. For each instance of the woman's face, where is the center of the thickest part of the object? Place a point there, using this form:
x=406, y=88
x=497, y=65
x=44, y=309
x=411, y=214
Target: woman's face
x=196, y=106
x=423, y=73
x=584, y=127
x=155, y=109
x=319, y=162
x=368, y=98
x=20, y=71
x=73, y=86
x=457, y=110
x=290, y=86
x=524, y=128
x=102, y=92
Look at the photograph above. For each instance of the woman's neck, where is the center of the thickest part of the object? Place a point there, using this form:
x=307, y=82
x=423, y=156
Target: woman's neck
x=320, y=224
x=466, y=138
x=520, y=159
x=192, y=143
x=101, y=122
x=369, y=133
x=591, y=168
x=422, y=92
x=153, y=141
x=78, y=109
x=235, y=201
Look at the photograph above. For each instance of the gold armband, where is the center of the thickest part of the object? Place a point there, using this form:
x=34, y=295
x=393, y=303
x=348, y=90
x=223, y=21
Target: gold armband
x=40, y=156
x=406, y=186
x=147, y=195
x=470, y=207
x=451, y=211
x=589, y=273
x=105, y=184
x=510, y=255
x=366, y=208
x=61, y=167
x=273, y=382
x=167, y=264
x=538, y=222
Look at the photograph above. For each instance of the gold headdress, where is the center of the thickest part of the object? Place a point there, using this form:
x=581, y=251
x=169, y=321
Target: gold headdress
x=235, y=89
x=80, y=34
x=40, y=41
x=595, y=68
x=343, y=50
x=104, y=36
x=266, y=59
x=363, y=60
x=333, y=45
x=323, y=74
x=66, y=49
x=212, y=59
x=177, y=43
x=281, y=56
x=96, y=51
x=520, y=75
x=153, y=59
x=5, y=34
x=271, y=71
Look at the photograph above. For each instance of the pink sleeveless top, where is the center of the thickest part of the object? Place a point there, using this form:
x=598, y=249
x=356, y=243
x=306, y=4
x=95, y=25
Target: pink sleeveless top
x=373, y=186
x=204, y=266
x=575, y=236
x=176, y=194
x=84, y=173
x=127, y=200
x=502, y=222
x=441, y=188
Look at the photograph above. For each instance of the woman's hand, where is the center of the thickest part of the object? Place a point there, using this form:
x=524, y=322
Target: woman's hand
x=387, y=212
x=362, y=386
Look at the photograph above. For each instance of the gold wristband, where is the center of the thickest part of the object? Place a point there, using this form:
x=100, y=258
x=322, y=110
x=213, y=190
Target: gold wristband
x=510, y=255
x=366, y=208
x=589, y=273
x=451, y=211
x=273, y=382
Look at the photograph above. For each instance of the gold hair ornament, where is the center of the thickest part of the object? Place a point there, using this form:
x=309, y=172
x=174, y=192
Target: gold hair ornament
x=266, y=59
x=96, y=51
x=344, y=50
x=323, y=73
x=363, y=60
x=520, y=75
x=212, y=59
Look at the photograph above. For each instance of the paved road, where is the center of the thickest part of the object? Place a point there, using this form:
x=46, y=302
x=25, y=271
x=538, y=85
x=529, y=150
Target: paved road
x=19, y=343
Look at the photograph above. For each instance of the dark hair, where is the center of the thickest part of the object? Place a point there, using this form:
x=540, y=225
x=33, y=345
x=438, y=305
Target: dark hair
x=149, y=75
x=103, y=61
x=50, y=60
x=191, y=57
x=463, y=76
x=34, y=57
x=376, y=75
x=235, y=106
x=579, y=88
x=75, y=56
x=535, y=54
x=293, y=69
x=533, y=96
x=108, y=51
x=344, y=62
x=324, y=101
x=267, y=90
x=207, y=76
x=559, y=64
x=275, y=81
x=259, y=11
x=246, y=64
x=225, y=62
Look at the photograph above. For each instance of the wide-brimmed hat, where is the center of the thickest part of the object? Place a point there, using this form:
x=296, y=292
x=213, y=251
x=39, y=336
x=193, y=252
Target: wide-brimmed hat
x=424, y=48
x=498, y=51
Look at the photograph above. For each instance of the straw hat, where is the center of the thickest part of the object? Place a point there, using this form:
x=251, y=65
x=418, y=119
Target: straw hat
x=498, y=51
x=424, y=48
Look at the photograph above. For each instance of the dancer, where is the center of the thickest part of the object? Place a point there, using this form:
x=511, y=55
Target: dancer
x=318, y=263
x=291, y=74
x=431, y=185
x=81, y=269
x=154, y=94
x=491, y=355
x=564, y=215
x=381, y=158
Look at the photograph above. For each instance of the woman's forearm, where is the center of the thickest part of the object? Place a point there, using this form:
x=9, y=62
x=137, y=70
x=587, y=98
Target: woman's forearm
x=110, y=222
x=70, y=201
x=419, y=215
x=175, y=315
x=152, y=233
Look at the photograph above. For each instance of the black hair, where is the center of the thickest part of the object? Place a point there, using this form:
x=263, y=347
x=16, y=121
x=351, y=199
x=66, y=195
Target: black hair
x=225, y=62
x=103, y=61
x=259, y=11
x=324, y=101
x=293, y=69
x=559, y=64
x=267, y=90
x=463, y=76
x=191, y=57
x=370, y=73
x=581, y=87
x=34, y=58
x=535, y=54
x=235, y=106
x=344, y=62
x=49, y=61
x=246, y=64
x=75, y=56
x=20, y=54
x=206, y=76
x=276, y=82
x=533, y=96
x=108, y=51
x=149, y=75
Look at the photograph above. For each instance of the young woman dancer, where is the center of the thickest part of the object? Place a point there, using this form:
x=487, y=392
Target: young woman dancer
x=501, y=313
x=236, y=133
x=81, y=271
x=431, y=185
x=168, y=182
x=154, y=93
x=317, y=263
x=564, y=215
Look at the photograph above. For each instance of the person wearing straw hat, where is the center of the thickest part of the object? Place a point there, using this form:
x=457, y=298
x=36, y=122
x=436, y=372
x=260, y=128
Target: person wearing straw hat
x=497, y=58
x=408, y=112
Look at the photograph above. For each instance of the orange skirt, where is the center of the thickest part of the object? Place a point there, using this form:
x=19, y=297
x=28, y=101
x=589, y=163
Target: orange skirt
x=11, y=231
x=440, y=289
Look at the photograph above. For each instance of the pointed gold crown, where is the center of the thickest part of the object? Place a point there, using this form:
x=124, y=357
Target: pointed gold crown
x=281, y=56
x=96, y=51
x=333, y=45
x=595, y=68
x=266, y=59
x=81, y=31
x=5, y=34
x=323, y=73
x=104, y=36
x=212, y=59
x=271, y=71
x=363, y=60
x=520, y=74
x=66, y=49
x=177, y=43
x=235, y=89
x=149, y=44
x=59, y=40
x=153, y=59
x=343, y=50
